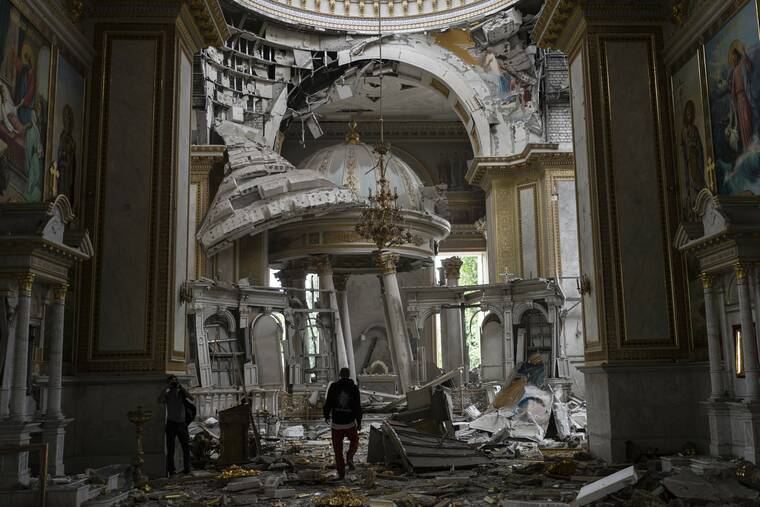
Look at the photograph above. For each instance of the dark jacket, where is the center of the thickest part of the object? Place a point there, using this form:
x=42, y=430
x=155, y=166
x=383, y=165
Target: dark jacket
x=343, y=404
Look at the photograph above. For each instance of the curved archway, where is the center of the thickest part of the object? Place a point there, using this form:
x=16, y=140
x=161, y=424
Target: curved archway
x=448, y=75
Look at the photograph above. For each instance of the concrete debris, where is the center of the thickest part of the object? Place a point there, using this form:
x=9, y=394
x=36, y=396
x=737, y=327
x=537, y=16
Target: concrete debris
x=606, y=486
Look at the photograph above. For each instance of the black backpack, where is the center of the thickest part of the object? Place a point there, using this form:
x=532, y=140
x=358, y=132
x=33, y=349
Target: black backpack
x=190, y=411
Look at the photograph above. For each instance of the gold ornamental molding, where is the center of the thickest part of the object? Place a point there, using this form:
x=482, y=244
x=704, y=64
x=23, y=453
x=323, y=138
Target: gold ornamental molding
x=25, y=282
x=387, y=261
x=706, y=280
x=59, y=292
x=551, y=22
x=741, y=274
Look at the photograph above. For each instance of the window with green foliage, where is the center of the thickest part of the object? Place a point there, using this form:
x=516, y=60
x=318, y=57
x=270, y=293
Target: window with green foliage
x=472, y=272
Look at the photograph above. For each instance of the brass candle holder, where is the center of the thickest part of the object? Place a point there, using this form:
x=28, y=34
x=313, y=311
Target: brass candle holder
x=139, y=417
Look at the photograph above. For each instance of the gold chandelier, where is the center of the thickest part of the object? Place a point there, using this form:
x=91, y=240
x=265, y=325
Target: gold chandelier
x=381, y=221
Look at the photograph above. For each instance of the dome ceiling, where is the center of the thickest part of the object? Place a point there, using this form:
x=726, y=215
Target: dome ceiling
x=352, y=164
x=361, y=16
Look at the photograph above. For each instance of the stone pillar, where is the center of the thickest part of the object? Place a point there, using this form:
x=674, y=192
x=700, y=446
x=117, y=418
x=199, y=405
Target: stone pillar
x=21, y=352
x=749, y=345
x=326, y=283
x=295, y=278
x=632, y=285
x=340, y=286
x=14, y=468
x=53, y=429
x=728, y=346
x=453, y=336
x=8, y=317
x=55, y=360
x=713, y=339
x=401, y=349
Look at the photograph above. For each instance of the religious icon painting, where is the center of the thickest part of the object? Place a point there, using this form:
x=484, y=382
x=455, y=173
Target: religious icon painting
x=692, y=154
x=732, y=63
x=68, y=130
x=24, y=84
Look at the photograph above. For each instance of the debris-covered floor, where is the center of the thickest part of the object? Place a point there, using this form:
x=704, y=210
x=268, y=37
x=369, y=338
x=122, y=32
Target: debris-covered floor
x=298, y=471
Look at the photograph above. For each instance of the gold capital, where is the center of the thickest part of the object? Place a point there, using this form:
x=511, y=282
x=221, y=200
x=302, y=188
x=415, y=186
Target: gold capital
x=386, y=261
x=740, y=273
x=340, y=282
x=706, y=280
x=59, y=292
x=25, y=282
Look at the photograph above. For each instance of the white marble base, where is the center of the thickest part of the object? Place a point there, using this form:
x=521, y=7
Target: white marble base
x=14, y=468
x=54, y=433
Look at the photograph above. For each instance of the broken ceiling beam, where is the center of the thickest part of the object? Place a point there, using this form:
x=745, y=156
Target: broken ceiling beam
x=422, y=452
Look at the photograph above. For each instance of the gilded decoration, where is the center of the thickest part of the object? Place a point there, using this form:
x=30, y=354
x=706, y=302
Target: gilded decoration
x=59, y=292
x=25, y=282
x=387, y=261
x=706, y=280
x=741, y=274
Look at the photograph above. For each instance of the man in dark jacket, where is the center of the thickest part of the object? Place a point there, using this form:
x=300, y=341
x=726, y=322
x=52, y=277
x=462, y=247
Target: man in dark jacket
x=343, y=406
x=174, y=396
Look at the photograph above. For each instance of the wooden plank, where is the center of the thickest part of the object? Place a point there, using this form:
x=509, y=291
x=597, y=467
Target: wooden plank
x=445, y=463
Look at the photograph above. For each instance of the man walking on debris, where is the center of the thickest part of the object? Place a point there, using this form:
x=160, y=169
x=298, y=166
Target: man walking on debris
x=178, y=410
x=343, y=405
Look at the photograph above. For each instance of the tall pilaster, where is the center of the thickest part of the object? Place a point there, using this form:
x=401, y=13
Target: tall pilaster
x=453, y=347
x=401, y=348
x=632, y=285
x=21, y=349
x=340, y=286
x=713, y=339
x=749, y=344
x=295, y=278
x=326, y=283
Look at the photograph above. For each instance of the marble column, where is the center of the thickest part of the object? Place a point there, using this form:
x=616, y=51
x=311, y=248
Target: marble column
x=295, y=278
x=749, y=345
x=401, y=348
x=15, y=431
x=713, y=339
x=20, y=356
x=729, y=363
x=8, y=315
x=453, y=346
x=340, y=286
x=54, y=427
x=326, y=283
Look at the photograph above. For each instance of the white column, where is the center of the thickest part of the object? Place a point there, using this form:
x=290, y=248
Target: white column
x=20, y=357
x=713, y=339
x=749, y=345
x=341, y=282
x=453, y=350
x=728, y=344
x=401, y=348
x=8, y=307
x=326, y=283
x=55, y=361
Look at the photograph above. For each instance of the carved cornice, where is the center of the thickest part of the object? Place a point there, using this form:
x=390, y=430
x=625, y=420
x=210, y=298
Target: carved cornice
x=207, y=14
x=404, y=129
x=560, y=21
x=534, y=156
